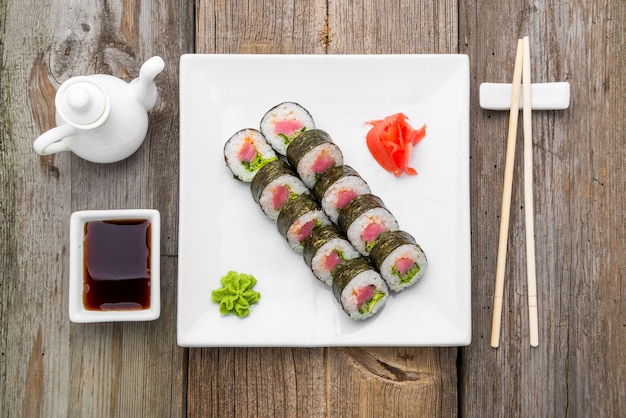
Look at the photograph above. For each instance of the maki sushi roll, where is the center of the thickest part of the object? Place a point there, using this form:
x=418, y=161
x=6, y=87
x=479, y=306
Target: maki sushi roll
x=337, y=187
x=312, y=153
x=359, y=288
x=398, y=258
x=246, y=152
x=275, y=184
x=364, y=219
x=325, y=250
x=282, y=123
x=298, y=218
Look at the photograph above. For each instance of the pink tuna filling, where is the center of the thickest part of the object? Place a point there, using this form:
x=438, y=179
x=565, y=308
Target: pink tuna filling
x=344, y=197
x=404, y=264
x=323, y=163
x=332, y=260
x=364, y=294
x=287, y=127
x=372, y=231
x=247, y=152
x=281, y=194
x=305, y=231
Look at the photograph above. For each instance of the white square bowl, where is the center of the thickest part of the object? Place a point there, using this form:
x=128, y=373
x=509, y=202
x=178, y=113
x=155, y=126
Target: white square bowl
x=78, y=312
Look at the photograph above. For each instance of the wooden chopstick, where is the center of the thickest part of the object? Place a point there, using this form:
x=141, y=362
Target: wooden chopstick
x=506, y=196
x=528, y=200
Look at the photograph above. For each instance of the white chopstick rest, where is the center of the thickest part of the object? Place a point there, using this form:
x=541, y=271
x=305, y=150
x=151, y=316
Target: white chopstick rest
x=544, y=96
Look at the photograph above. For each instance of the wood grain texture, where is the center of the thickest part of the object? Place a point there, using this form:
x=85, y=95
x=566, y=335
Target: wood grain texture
x=264, y=27
x=579, y=153
x=51, y=367
x=392, y=27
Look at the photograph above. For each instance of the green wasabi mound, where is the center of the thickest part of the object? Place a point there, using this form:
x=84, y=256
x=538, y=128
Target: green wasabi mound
x=236, y=294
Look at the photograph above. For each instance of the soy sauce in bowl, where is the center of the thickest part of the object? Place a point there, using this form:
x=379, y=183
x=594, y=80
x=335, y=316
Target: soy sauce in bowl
x=117, y=265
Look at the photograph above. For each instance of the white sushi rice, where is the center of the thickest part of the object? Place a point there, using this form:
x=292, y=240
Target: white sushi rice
x=409, y=251
x=365, y=278
x=284, y=112
x=356, y=229
x=234, y=145
x=295, y=186
x=347, y=183
x=306, y=173
x=316, y=215
x=339, y=245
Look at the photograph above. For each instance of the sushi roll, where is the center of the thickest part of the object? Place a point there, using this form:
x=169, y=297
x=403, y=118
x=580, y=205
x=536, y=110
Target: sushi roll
x=282, y=123
x=275, y=184
x=298, y=218
x=359, y=288
x=337, y=187
x=325, y=250
x=246, y=152
x=398, y=258
x=364, y=219
x=312, y=153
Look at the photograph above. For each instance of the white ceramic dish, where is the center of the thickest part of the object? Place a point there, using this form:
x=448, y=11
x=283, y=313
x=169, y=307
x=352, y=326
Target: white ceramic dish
x=543, y=96
x=222, y=229
x=78, y=312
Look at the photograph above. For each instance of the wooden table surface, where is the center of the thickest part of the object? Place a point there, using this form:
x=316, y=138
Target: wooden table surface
x=52, y=367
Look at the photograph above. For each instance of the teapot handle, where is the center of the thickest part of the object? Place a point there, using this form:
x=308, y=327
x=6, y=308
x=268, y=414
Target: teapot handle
x=51, y=142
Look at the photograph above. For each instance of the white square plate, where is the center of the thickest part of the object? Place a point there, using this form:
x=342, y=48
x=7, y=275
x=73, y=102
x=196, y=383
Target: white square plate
x=221, y=227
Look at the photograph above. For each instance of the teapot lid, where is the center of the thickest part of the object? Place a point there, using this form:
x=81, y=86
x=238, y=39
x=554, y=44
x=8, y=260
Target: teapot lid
x=82, y=101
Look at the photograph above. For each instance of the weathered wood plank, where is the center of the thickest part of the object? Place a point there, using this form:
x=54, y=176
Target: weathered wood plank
x=392, y=27
x=330, y=381
x=34, y=333
x=271, y=27
x=393, y=381
x=579, y=165
x=258, y=381
x=49, y=366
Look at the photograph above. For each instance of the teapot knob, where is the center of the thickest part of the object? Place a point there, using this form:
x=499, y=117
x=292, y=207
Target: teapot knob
x=82, y=101
x=78, y=99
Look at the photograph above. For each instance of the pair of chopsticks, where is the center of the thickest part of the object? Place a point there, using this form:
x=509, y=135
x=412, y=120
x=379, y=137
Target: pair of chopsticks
x=521, y=79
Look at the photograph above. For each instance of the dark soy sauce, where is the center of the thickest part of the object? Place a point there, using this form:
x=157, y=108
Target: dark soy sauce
x=117, y=265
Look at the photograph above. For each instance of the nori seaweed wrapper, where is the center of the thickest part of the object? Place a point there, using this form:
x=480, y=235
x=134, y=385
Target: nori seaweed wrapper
x=387, y=243
x=356, y=208
x=304, y=143
x=266, y=174
x=320, y=236
x=348, y=271
x=292, y=210
x=330, y=177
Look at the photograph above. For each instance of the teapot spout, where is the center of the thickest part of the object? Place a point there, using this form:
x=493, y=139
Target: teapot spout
x=144, y=85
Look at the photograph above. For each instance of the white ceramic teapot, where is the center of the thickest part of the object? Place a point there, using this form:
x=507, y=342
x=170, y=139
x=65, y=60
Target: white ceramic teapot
x=101, y=118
